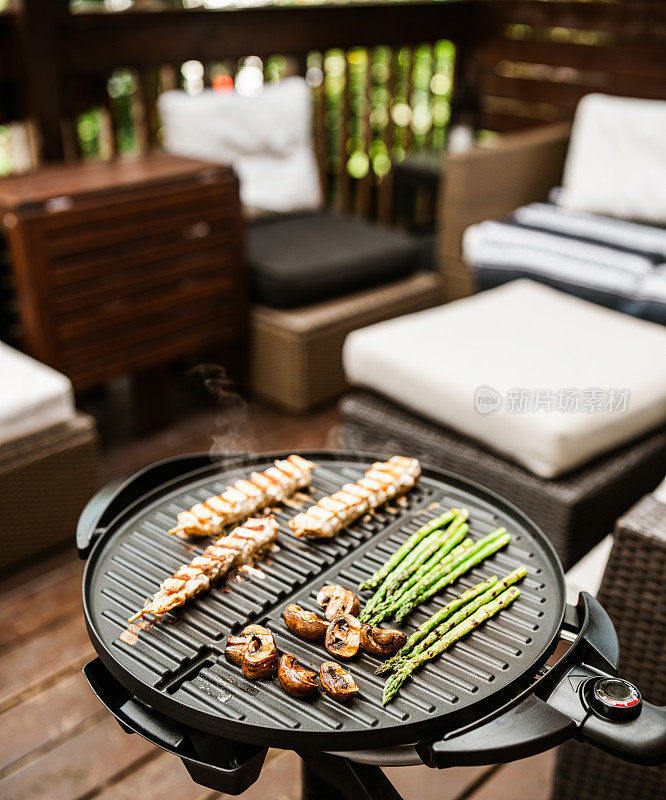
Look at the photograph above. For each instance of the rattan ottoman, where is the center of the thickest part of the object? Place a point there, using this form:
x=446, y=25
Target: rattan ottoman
x=296, y=354
x=632, y=591
x=575, y=511
x=45, y=480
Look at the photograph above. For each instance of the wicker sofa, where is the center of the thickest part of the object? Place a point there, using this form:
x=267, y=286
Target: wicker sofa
x=598, y=236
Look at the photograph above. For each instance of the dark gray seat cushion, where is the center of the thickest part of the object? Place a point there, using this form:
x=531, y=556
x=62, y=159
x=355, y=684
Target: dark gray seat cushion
x=307, y=258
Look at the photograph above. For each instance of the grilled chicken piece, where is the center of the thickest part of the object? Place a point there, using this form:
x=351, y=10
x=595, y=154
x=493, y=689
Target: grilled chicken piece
x=382, y=642
x=382, y=482
x=343, y=636
x=337, y=681
x=245, y=497
x=337, y=600
x=244, y=543
x=296, y=680
x=304, y=623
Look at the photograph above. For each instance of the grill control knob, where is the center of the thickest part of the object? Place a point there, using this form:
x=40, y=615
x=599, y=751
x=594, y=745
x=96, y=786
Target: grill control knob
x=614, y=699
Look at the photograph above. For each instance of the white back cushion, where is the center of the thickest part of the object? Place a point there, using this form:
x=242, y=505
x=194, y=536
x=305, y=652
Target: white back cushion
x=267, y=139
x=616, y=162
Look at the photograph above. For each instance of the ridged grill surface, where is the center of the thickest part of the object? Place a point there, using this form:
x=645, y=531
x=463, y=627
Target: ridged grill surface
x=178, y=664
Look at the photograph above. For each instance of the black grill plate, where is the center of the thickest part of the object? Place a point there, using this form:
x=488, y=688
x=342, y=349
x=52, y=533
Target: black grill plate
x=178, y=665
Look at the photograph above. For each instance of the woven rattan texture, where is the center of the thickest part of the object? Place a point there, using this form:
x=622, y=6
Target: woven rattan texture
x=575, y=511
x=52, y=474
x=296, y=360
x=632, y=593
x=489, y=182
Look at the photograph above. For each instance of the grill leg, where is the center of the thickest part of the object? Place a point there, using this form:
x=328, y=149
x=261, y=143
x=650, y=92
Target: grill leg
x=316, y=788
x=328, y=777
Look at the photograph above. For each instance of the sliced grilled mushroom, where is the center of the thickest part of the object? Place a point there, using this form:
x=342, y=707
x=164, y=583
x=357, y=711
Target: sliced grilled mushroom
x=261, y=656
x=337, y=681
x=304, y=623
x=296, y=680
x=337, y=600
x=381, y=641
x=343, y=636
x=238, y=645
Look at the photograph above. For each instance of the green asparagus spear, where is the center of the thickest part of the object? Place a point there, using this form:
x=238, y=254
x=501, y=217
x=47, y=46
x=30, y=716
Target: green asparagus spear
x=484, y=613
x=431, y=623
x=392, y=605
x=438, y=539
x=434, y=539
x=435, y=581
x=437, y=546
x=441, y=542
x=438, y=559
x=401, y=552
x=392, y=602
x=467, y=611
x=379, y=597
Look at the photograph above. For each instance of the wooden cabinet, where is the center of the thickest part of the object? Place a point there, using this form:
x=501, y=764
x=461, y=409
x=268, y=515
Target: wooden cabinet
x=125, y=265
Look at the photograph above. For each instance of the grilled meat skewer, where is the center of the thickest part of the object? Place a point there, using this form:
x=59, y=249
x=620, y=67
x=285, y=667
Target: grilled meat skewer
x=245, y=497
x=240, y=546
x=382, y=482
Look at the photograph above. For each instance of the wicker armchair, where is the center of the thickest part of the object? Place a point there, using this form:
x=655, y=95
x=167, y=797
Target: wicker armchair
x=632, y=591
x=489, y=181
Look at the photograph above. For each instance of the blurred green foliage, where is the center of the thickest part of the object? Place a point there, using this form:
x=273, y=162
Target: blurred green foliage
x=379, y=104
x=5, y=157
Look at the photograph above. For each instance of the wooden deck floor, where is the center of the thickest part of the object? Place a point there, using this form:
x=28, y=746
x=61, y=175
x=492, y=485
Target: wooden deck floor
x=57, y=742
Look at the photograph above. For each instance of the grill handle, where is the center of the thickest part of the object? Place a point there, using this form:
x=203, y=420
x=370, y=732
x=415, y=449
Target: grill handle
x=624, y=726
x=640, y=741
x=213, y=762
x=116, y=497
x=562, y=704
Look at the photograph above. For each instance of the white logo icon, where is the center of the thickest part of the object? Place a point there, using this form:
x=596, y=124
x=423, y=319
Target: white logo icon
x=487, y=400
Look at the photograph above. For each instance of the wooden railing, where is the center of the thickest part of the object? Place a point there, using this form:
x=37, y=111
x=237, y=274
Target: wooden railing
x=381, y=76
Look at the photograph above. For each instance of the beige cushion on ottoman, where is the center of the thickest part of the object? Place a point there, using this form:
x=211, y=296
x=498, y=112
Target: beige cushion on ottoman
x=521, y=336
x=33, y=397
x=660, y=492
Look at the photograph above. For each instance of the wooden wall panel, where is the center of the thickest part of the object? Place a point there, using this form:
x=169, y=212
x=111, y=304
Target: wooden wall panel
x=537, y=59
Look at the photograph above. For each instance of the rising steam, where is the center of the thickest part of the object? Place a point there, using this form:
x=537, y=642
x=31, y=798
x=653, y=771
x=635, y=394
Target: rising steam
x=234, y=426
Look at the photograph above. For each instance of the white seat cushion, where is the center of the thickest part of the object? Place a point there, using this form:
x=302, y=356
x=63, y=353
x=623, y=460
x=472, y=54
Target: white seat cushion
x=586, y=575
x=517, y=340
x=660, y=492
x=33, y=397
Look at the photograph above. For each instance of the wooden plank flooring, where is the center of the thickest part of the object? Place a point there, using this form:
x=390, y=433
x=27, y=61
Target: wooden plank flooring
x=56, y=740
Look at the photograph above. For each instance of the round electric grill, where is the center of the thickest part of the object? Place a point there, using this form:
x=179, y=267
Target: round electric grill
x=534, y=675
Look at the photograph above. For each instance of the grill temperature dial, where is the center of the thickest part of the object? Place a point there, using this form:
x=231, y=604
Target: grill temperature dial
x=614, y=699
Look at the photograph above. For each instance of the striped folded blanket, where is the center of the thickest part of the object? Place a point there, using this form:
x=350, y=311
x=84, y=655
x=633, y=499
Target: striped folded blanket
x=612, y=262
